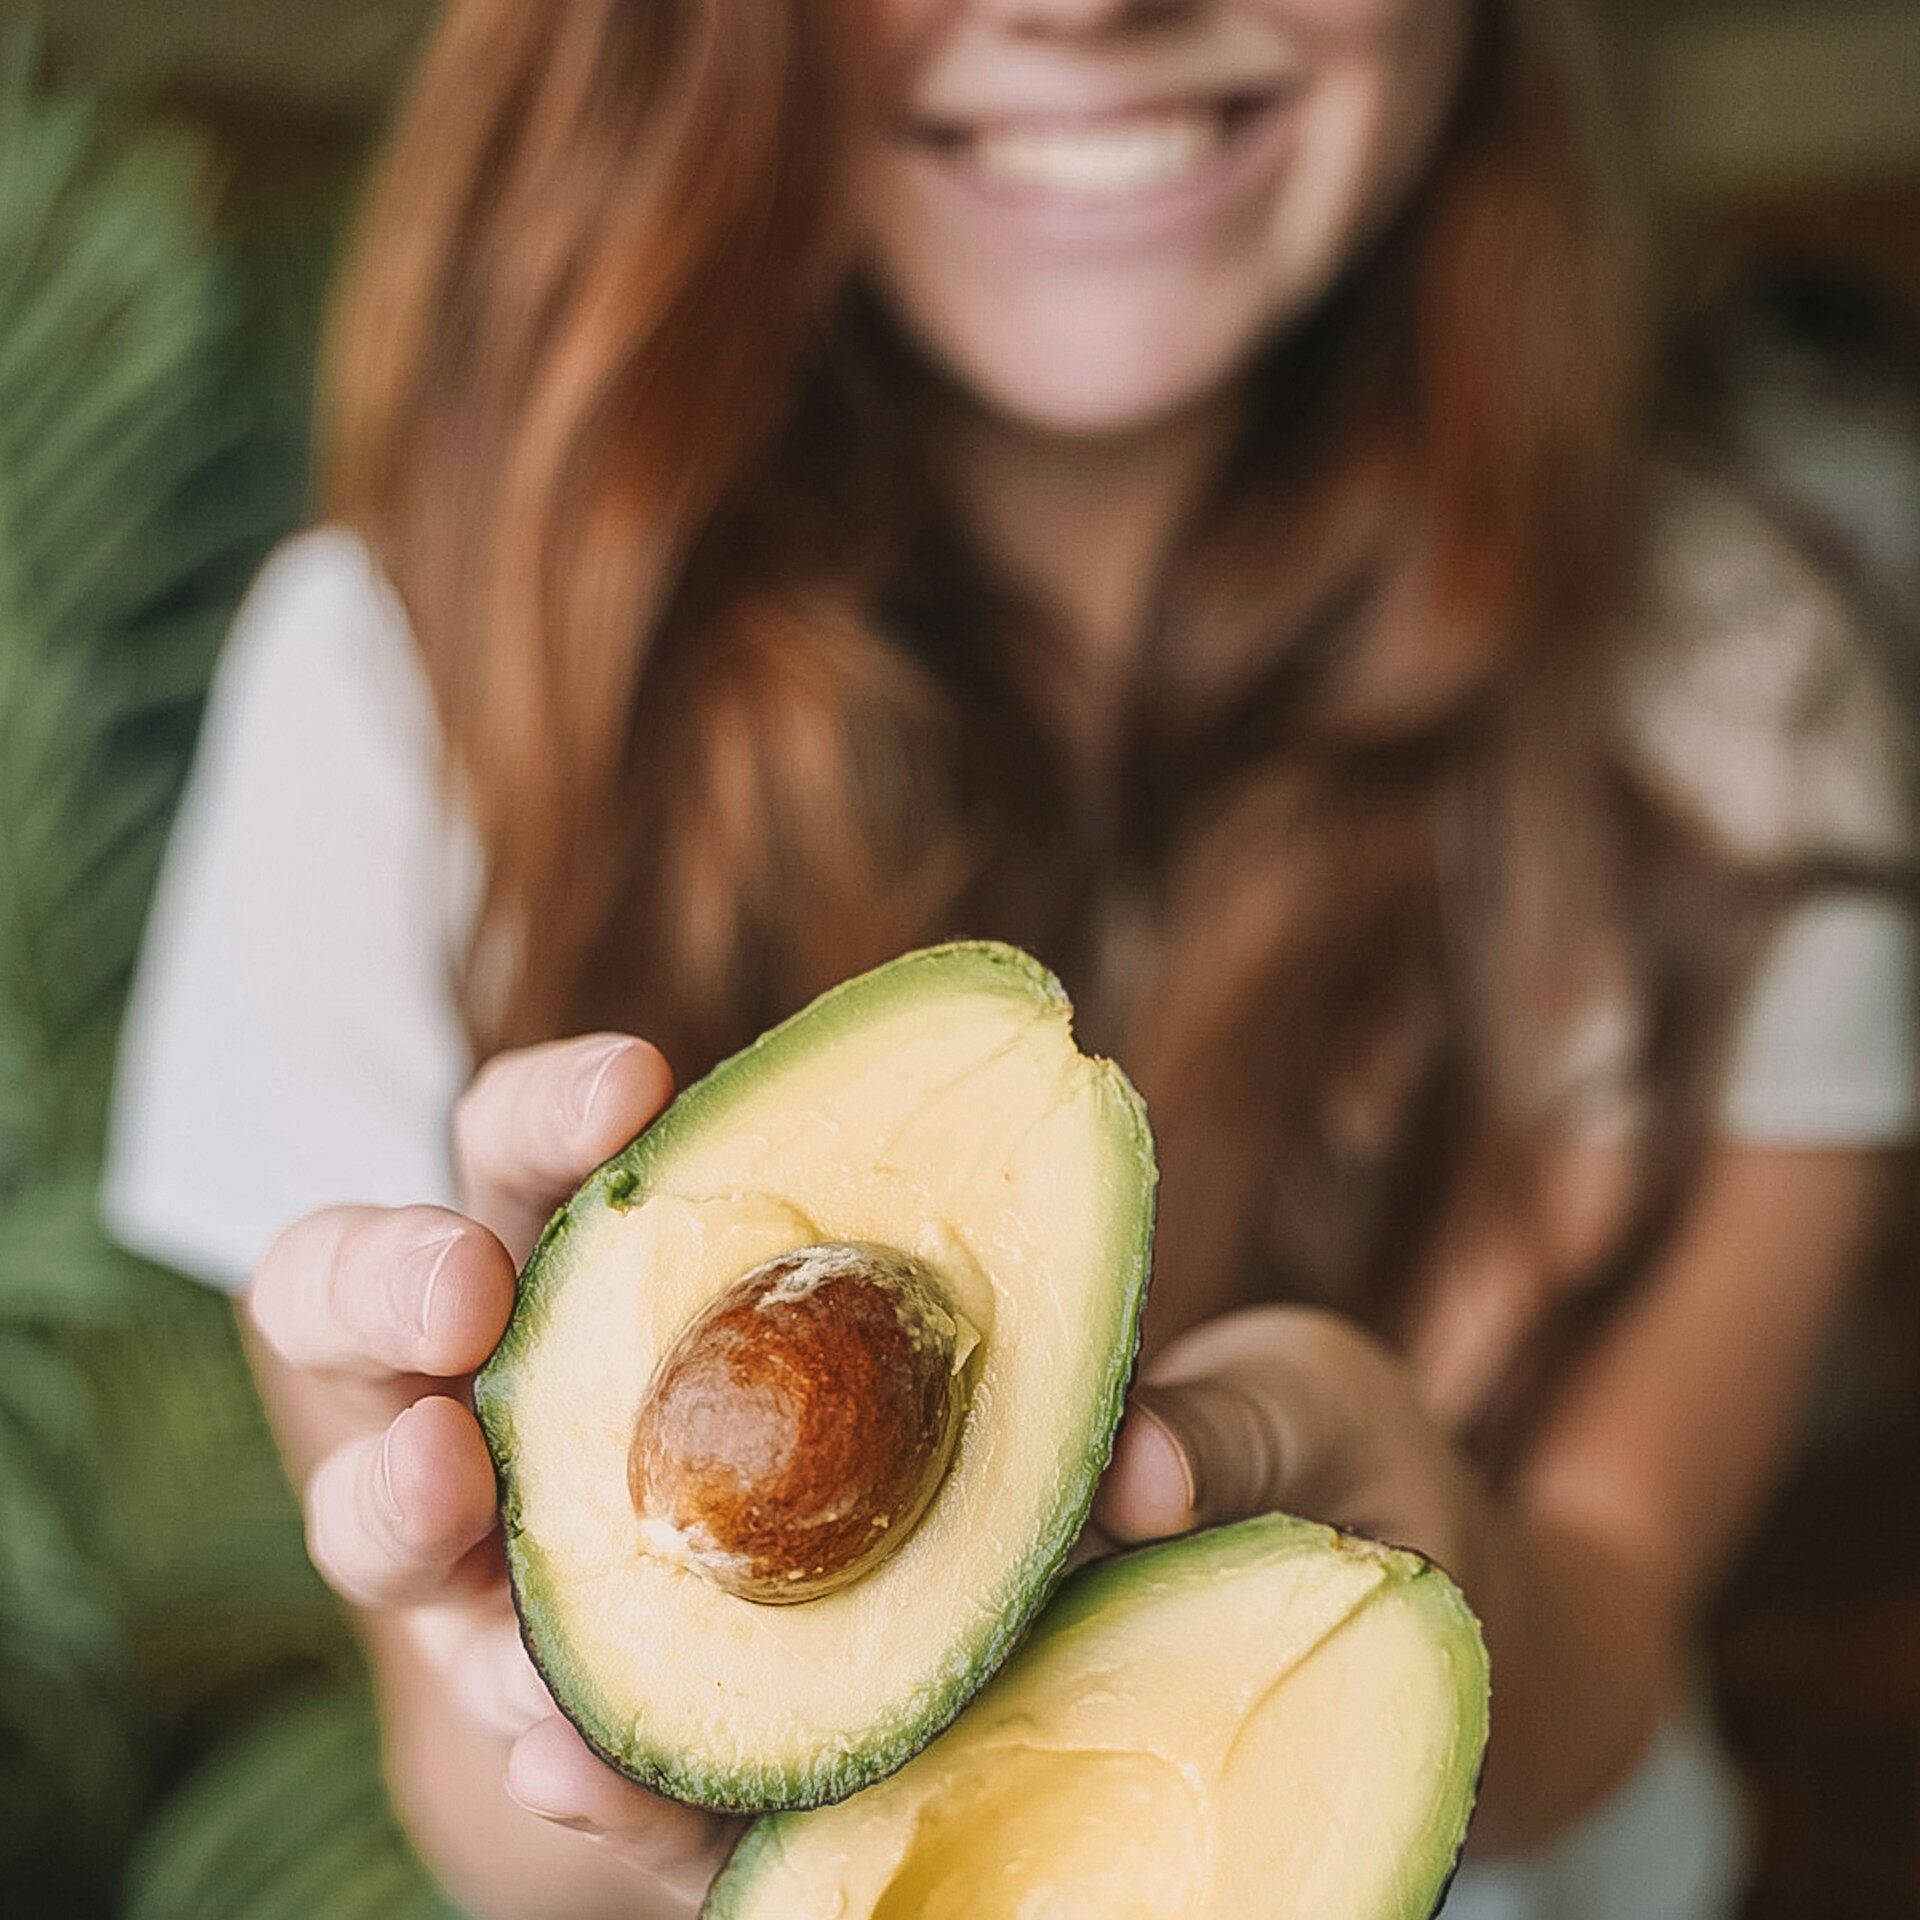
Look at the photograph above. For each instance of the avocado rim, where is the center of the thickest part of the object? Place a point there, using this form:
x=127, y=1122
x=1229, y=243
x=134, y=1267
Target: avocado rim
x=621, y=1182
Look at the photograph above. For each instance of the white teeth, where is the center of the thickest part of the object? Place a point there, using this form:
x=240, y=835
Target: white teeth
x=1102, y=157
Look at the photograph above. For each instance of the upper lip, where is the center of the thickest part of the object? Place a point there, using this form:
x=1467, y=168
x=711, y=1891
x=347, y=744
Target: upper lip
x=945, y=123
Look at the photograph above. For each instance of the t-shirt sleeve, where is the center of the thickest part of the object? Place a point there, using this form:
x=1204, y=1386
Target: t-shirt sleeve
x=292, y=1040
x=1767, y=713
x=1826, y=1052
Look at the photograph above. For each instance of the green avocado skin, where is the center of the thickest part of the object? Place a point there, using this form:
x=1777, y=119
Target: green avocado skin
x=1131, y=1580
x=626, y=1180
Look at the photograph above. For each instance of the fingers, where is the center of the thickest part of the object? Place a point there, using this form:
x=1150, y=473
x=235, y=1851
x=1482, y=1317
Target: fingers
x=476, y=1646
x=1202, y=1441
x=370, y=1291
x=554, y=1773
x=391, y=1516
x=1272, y=1409
x=1286, y=1410
x=536, y=1122
x=1191, y=1457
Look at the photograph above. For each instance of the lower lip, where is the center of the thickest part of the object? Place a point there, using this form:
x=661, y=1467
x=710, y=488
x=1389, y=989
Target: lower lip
x=1184, y=209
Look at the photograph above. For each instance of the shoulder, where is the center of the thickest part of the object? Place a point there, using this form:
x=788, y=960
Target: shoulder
x=322, y=740
x=325, y=568
x=321, y=639
x=293, y=1038
x=1752, y=690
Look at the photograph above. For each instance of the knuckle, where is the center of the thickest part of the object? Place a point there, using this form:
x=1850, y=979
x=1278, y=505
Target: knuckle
x=471, y=1110
x=1333, y=1340
x=385, y=1275
x=389, y=1516
x=457, y=1294
x=600, y=1077
x=261, y=1301
x=278, y=1273
x=362, y=1258
x=409, y=1473
x=293, y=1277
x=320, y=1553
x=1320, y=1327
x=323, y=1512
x=335, y=1280
x=438, y=1482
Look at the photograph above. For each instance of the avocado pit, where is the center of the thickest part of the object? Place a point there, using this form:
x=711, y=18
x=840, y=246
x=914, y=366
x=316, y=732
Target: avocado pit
x=799, y=1427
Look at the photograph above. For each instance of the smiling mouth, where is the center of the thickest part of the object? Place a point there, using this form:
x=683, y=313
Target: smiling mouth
x=1111, y=156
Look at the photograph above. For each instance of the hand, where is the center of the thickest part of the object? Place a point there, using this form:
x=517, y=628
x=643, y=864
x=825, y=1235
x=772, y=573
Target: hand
x=383, y=1316
x=1289, y=1409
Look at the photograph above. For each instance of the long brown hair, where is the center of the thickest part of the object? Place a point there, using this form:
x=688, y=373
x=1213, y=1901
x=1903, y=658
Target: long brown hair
x=736, y=712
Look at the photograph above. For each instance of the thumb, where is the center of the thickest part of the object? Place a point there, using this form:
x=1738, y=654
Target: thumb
x=1193, y=1455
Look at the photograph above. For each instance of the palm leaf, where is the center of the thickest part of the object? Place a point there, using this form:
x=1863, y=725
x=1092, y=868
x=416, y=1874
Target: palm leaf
x=288, y=1822
x=157, y=1612
x=153, y=1587
x=196, y=1519
x=130, y=513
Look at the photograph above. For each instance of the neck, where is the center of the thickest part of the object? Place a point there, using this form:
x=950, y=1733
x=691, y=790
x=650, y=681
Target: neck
x=1082, y=526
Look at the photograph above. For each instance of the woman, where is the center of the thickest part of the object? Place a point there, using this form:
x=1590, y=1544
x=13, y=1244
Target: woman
x=1155, y=480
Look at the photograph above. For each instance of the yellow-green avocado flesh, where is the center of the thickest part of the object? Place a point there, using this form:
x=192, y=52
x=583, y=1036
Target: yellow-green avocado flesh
x=937, y=1104
x=1270, y=1721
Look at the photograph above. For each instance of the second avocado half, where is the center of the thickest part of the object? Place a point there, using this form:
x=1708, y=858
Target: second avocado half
x=807, y=1392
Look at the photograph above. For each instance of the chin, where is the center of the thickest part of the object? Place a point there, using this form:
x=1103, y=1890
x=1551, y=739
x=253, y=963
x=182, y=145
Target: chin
x=1092, y=378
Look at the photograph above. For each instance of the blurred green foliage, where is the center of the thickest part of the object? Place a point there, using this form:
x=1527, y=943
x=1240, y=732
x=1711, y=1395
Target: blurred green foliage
x=184, y=1726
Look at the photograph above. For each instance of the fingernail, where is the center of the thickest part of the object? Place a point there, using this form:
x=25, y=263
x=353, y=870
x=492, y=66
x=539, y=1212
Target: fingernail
x=573, y=1822
x=595, y=1072
x=523, y=1758
x=552, y=1815
x=1156, y=1410
x=383, y=1475
x=417, y=1288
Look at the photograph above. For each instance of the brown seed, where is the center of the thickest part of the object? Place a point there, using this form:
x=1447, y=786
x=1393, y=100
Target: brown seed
x=796, y=1431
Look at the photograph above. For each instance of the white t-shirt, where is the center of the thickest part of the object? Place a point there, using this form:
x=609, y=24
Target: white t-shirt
x=293, y=1040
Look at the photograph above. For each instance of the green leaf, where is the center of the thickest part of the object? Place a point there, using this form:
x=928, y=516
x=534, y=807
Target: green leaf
x=131, y=510
x=153, y=1588
x=197, y=1520
x=289, y=1822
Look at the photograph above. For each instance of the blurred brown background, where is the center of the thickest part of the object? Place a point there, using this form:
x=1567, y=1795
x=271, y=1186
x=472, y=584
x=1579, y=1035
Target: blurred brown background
x=1782, y=144
x=1767, y=121
x=1780, y=139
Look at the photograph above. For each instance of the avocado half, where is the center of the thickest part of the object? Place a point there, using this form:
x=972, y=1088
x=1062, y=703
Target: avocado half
x=937, y=1105
x=1268, y=1719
